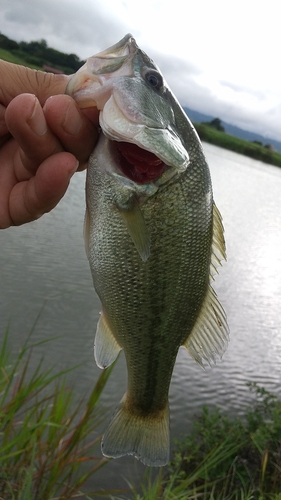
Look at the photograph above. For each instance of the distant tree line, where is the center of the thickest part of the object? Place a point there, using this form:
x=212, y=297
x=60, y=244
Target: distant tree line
x=216, y=124
x=254, y=149
x=267, y=146
x=38, y=52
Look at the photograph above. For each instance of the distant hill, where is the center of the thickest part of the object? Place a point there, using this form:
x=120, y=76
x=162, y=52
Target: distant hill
x=197, y=117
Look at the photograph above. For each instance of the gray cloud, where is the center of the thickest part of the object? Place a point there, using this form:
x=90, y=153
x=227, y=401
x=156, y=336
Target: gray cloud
x=86, y=27
x=68, y=25
x=242, y=89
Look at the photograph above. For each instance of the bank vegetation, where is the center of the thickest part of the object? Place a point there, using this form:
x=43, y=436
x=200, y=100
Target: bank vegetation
x=50, y=444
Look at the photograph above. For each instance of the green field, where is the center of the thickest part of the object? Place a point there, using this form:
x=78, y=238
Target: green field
x=247, y=148
x=6, y=55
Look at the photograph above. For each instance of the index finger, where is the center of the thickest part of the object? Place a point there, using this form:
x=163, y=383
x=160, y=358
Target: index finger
x=77, y=132
x=16, y=79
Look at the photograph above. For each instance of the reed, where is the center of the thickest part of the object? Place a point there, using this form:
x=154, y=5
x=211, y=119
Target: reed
x=47, y=443
x=224, y=458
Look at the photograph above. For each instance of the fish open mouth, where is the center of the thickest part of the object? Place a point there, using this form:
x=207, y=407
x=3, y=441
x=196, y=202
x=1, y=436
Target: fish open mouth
x=138, y=164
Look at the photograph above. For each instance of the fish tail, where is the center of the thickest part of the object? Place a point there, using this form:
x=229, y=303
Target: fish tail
x=130, y=433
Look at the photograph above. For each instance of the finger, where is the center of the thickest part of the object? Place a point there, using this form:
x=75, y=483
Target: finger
x=77, y=133
x=3, y=126
x=16, y=79
x=30, y=199
x=26, y=122
x=4, y=132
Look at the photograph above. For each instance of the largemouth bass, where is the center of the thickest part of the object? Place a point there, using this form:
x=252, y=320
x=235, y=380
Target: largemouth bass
x=154, y=240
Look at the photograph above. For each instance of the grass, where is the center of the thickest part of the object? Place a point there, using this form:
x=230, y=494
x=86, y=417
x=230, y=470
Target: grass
x=247, y=148
x=225, y=458
x=46, y=442
x=7, y=55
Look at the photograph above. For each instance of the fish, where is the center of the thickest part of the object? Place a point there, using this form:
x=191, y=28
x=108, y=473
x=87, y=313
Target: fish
x=154, y=239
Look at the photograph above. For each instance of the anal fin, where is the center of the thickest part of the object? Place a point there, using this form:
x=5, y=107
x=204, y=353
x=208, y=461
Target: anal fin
x=106, y=346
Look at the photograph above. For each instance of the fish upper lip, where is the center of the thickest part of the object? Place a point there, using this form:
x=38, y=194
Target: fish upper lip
x=127, y=45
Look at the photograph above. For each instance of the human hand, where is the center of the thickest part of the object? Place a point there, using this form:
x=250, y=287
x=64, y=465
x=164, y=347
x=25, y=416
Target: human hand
x=43, y=136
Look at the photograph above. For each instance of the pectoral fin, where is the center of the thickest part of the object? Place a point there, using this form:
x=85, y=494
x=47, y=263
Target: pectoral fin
x=137, y=228
x=106, y=346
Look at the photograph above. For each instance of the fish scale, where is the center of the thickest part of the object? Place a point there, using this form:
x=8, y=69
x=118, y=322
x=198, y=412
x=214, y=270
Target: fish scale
x=153, y=304
x=154, y=246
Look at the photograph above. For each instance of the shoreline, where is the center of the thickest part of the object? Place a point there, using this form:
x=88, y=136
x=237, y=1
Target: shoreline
x=241, y=146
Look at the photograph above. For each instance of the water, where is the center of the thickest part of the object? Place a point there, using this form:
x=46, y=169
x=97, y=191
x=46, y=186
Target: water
x=44, y=263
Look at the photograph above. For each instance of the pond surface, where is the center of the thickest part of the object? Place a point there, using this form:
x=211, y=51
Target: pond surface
x=44, y=264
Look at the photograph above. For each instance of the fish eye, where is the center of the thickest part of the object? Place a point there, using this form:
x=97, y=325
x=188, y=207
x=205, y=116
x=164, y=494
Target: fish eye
x=154, y=79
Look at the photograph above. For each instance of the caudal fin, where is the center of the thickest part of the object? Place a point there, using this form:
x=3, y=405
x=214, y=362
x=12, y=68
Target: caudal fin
x=145, y=437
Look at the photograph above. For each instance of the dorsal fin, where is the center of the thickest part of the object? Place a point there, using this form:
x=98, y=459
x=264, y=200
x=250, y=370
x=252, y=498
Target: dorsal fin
x=210, y=334
x=218, y=243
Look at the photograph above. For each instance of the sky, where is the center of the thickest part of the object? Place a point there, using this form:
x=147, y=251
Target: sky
x=220, y=57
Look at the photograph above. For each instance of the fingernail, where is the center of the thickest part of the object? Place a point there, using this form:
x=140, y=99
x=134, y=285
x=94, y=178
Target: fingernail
x=72, y=123
x=37, y=120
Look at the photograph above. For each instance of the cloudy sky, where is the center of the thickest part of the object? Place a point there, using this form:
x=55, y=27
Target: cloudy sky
x=220, y=57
